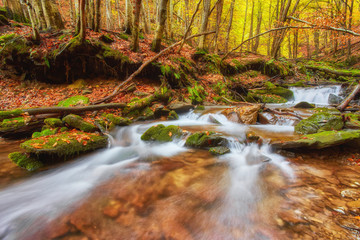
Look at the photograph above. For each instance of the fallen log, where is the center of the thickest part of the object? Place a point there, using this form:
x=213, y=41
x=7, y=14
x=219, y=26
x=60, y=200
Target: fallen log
x=332, y=71
x=66, y=110
x=282, y=113
x=347, y=100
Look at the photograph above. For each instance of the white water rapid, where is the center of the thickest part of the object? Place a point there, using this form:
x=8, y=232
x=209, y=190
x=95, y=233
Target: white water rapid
x=27, y=206
x=317, y=95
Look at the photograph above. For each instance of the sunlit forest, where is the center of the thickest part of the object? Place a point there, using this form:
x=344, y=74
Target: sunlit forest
x=181, y=120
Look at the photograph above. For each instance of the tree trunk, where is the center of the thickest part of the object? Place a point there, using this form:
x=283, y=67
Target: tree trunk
x=82, y=33
x=258, y=28
x=204, y=23
x=108, y=14
x=251, y=30
x=39, y=14
x=228, y=30
x=147, y=28
x=91, y=14
x=219, y=10
x=35, y=32
x=349, y=27
x=128, y=17
x=52, y=15
x=72, y=12
x=15, y=10
x=135, y=31
x=156, y=44
x=243, y=32
x=97, y=15
x=316, y=42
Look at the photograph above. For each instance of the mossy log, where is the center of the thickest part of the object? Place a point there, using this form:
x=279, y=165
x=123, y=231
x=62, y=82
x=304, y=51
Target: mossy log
x=345, y=73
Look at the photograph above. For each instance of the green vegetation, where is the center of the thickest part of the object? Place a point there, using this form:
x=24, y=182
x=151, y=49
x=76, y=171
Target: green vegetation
x=77, y=122
x=197, y=94
x=74, y=101
x=23, y=160
x=12, y=123
x=45, y=132
x=10, y=114
x=160, y=133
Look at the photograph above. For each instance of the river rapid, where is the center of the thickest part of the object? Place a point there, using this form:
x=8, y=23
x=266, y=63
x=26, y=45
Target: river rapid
x=140, y=190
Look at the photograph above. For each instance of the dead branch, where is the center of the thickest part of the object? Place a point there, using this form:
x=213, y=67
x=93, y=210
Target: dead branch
x=137, y=72
x=282, y=113
x=347, y=100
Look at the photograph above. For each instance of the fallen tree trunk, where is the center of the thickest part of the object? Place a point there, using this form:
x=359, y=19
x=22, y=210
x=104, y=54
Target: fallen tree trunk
x=65, y=110
x=137, y=72
x=338, y=73
x=347, y=100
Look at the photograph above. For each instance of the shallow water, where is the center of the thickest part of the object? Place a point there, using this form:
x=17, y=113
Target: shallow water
x=138, y=190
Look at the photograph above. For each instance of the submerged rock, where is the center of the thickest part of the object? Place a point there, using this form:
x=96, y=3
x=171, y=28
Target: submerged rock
x=219, y=150
x=117, y=120
x=78, y=122
x=161, y=133
x=23, y=160
x=206, y=140
x=304, y=105
x=65, y=144
x=322, y=140
x=245, y=114
x=334, y=99
x=322, y=121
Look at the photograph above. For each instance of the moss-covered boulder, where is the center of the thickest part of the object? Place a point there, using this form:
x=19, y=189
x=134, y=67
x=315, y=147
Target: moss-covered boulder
x=78, y=122
x=10, y=114
x=219, y=150
x=53, y=122
x=12, y=123
x=206, y=140
x=74, y=101
x=65, y=144
x=45, y=132
x=117, y=120
x=24, y=160
x=322, y=140
x=160, y=133
x=173, y=115
x=280, y=91
x=304, y=105
x=322, y=121
x=106, y=38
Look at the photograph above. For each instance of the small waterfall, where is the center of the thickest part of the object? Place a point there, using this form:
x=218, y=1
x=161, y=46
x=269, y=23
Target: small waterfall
x=317, y=95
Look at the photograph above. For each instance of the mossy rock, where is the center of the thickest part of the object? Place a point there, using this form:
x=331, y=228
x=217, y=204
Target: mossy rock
x=219, y=150
x=304, y=105
x=160, y=133
x=53, y=122
x=74, y=101
x=117, y=120
x=173, y=115
x=200, y=107
x=264, y=98
x=106, y=38
x=65, y=144
x=274, y=90
x=78, y=122
x=322, y=121
x=10, y=114
x=323, y=140
x=12, y=123
x=43, y=133
x=206, y=140
x=23, y=160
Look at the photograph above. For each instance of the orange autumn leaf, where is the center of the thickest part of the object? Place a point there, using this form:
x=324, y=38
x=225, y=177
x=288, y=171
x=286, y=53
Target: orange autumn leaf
x=170, y=134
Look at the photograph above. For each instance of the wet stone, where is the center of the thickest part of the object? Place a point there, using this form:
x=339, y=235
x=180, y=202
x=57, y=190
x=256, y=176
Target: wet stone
x=351, y=193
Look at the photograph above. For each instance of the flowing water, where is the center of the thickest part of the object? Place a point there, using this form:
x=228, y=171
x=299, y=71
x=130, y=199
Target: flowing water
x=139, y=190
x=318, y=95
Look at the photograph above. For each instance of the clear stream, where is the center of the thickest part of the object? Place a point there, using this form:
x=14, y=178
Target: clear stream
x=139, y=190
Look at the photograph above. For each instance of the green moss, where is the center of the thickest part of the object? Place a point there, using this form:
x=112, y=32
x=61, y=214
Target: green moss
x=12, y=123
x=328, y=139
x=280, y=91
x=200, y=107
x=219, y=150
x=106, y=38
x=323, y=121
x=65, y=144
x=124, y=36
x=74, y=101
x=173, y=115
x=10, y=114
x=113, y=54
x=205, y=139
x=197, y=94
x=117, y=120
x=43, y=133
x=77, y=122
x=53, y=122
x=7, y=37
x=25, y=161
x=161, y=133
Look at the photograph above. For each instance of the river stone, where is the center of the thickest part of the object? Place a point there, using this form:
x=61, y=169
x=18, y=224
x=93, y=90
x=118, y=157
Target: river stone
x=161, y=133
x=321, y=140
x=334, y=99
x=305, y=105
x=24, y=160
x=180, y=107
x=206, y=140
x=351, y=193
x=77, y=122
x=322, y=121
x=219, y=150
x=247, y=114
